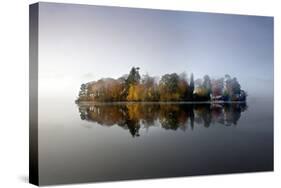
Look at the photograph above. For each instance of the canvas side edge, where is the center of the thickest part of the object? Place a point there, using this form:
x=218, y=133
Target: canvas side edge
x=33, y=94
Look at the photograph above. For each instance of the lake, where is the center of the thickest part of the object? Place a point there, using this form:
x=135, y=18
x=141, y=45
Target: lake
x=121, y=141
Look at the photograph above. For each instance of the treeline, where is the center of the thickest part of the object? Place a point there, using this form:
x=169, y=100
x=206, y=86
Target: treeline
x=171, y=87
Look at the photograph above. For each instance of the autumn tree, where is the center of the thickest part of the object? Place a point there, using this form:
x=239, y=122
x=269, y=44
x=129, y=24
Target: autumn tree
x=136, y=92
x=151, y=92
x=115, y=89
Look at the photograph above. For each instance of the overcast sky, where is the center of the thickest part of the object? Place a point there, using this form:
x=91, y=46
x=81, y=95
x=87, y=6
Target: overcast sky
x=79, y=43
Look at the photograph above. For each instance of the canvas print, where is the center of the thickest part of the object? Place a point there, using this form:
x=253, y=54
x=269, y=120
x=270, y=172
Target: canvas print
x=127, y=93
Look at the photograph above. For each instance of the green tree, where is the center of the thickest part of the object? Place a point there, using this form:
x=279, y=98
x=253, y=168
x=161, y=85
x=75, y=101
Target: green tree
x=134, y=76
x=173, y=87
x=168, y=87
x=191, y=87
x=232, y=88
x=170, y=82
x=83, y=90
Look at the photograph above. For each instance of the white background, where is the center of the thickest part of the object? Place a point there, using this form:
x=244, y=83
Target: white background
x=14, y=92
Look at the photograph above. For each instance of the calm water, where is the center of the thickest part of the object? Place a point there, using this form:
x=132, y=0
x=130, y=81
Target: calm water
x=98, y=142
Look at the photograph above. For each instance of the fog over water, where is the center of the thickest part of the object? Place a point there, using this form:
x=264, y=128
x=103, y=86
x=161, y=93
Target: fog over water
x=80, y=43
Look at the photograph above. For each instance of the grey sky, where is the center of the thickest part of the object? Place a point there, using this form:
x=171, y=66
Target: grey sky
x=79, y=43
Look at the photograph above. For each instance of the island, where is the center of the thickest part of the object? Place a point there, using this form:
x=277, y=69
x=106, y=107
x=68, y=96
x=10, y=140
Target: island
x=168, y=88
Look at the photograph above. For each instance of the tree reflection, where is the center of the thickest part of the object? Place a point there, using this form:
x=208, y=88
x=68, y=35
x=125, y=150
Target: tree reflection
x=170, y=116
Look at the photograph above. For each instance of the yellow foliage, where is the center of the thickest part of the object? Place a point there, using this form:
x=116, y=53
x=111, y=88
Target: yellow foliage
x=135, y=93
x=201, y=91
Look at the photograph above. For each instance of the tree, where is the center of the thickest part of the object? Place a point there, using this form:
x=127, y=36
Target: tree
x=168, y=87
x=217, y=87
x=243, y=96
x=136, y=92
x=183, y=89
x=169, y=82
x=232, y=88
x=115, y=89
x=83, y=90
x=150, y=87
x=191, y=87
x=173, y=87
x=201, y=93
x=134, y=76
x=132, y=79
x=207, y=85
x=123, y=93
x=236, y=86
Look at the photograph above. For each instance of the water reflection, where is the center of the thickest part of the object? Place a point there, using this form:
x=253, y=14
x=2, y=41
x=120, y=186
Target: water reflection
x=133, y=116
